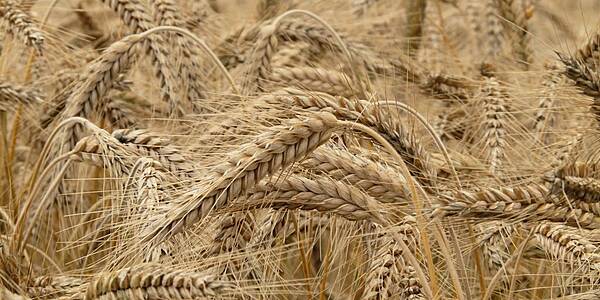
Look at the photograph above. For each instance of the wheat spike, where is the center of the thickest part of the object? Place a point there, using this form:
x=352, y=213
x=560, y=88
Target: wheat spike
x=11, y=96
x=315, y=79
x=544, y=116
x=154, y=282
x=322, y=194
x=48, y=287
x=21, y=25
x=494, y=124
x=377, y=180
x=565, y=243
x=269, y=152
x=161, y=149
x=134, y=15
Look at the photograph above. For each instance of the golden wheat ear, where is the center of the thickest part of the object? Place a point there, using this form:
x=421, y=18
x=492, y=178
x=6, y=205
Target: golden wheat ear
x=21, y=25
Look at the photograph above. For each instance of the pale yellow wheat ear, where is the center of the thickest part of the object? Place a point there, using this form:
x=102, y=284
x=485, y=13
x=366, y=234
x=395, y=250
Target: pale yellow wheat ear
x=86, y=100
x=153, y=281
x=284, y=145
x=21, y=25
x=204, y=48
x=268, y=43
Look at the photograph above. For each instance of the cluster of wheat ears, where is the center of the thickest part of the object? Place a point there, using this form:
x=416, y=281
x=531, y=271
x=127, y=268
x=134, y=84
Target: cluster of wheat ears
x=191, y=149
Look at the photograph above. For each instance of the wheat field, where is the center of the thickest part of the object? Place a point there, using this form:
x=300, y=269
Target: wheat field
x=340, y=149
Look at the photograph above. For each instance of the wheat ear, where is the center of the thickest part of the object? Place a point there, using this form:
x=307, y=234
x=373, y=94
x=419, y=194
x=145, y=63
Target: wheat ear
x=315, y=79
x=269, y=152
x=134, y=15
x=11, y=96
x=161, y=149
x=544, y=116
x=494, y=124
x=407, y=145
x=322, y=194
x=388, y=274
x=166, y=13
x=375, y=179
x=118, y=115
x=565, y=243
x=21, y=25
x=494, y=35
x=86, y=100
x=47, y=287
x=154, y=282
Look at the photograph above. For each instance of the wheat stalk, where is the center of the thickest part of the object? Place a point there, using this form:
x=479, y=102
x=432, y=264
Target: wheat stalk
x=494, y=124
